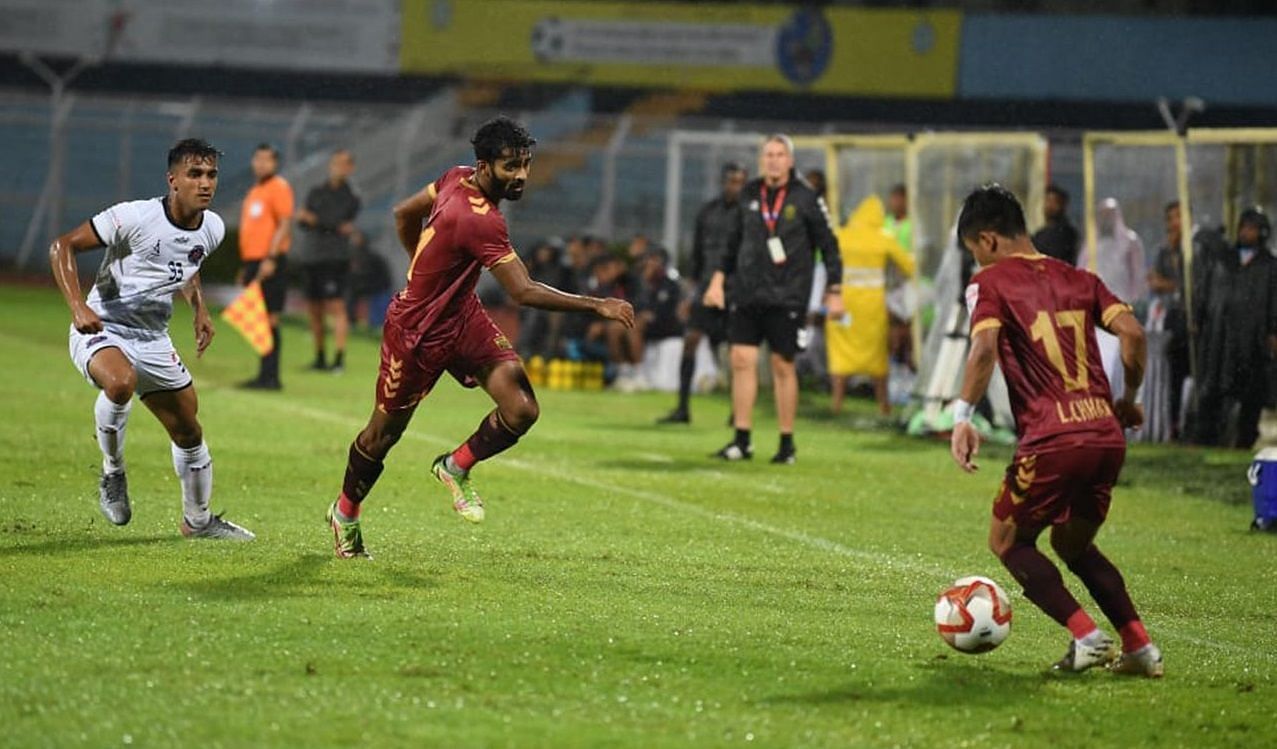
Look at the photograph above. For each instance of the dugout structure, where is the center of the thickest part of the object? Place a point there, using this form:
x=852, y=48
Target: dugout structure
x=1214, y=173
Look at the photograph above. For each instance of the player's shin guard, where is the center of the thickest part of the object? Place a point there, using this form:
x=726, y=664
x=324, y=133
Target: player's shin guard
x=1044, y=586
x=1106, y=586
x=194, y=468
x=111, y=418
x=493, y=436
x=362, y=471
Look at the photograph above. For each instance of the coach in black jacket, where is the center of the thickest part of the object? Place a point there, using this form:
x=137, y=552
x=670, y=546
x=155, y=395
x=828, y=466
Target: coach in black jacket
x=771, y=259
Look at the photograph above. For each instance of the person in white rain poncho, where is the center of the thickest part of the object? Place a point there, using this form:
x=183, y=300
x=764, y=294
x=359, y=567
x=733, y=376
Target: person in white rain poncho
x=1119, y=262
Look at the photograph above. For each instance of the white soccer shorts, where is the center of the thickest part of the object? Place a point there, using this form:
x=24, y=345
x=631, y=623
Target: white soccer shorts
x=158, y=366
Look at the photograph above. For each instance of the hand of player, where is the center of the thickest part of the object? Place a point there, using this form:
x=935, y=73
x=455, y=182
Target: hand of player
x=346, y=229
x=617, y=309
x=964, y=445
x=204, y=332
x=85, y=320
x=266, y=269
x=1129, y=413
x=834, y=308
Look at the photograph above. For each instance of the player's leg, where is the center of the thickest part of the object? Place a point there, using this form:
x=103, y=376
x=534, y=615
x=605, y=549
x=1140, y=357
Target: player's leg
x=1032, y=494
x=178, y=412
x=1074, y=542
x=516, y=411
x=686, y=370
x=401, y=384
x=110, y=369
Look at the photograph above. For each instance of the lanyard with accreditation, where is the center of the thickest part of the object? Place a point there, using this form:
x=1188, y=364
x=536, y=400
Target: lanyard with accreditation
x=771, y=216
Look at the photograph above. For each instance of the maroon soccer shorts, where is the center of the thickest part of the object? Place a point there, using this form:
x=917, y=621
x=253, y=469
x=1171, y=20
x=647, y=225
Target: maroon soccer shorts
x=1042, y=489
x=407, y=374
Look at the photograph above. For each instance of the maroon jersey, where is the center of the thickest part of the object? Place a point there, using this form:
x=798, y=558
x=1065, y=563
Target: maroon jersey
x=465, y=234
x=1046, y=312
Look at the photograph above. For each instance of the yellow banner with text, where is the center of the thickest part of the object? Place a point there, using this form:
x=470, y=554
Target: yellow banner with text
x=702, y=46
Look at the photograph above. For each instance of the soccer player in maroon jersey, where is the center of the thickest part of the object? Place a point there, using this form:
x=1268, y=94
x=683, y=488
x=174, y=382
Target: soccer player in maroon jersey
x=437, y=324
x=1036, y=317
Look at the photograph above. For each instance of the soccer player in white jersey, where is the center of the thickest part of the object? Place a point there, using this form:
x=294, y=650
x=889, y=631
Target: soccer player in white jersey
x=119, y=336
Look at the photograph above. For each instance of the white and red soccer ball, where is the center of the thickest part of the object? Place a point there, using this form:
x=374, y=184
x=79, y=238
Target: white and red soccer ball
x=973, y=615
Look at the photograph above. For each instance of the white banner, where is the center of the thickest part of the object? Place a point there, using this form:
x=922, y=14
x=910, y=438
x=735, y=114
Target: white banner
x=334, y=35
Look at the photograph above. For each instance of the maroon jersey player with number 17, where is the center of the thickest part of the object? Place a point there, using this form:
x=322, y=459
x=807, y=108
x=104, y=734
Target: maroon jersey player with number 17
x=1036, y=317
x=437, y=324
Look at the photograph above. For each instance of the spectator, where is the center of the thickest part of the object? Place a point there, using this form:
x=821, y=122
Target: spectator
x=539, y=329
x=265, y=233
x=1058, y=238
x=771, y=257
x=900, y=302
x=369, y=291
x=328, y=220
x=858, y=339
x=1167, y=329
x=1119, y=262
x=714, y=223
x=1237, y=315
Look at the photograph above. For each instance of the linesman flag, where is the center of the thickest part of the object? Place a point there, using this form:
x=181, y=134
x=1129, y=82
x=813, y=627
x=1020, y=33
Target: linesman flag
x=247, y=314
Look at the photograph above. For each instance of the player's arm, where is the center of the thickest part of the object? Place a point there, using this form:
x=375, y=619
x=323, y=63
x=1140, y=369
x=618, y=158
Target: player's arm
x=1130, y=336
x=65, y=271
x=965, y=443
x=513, y=276
x=204, y=330
x=410, y=214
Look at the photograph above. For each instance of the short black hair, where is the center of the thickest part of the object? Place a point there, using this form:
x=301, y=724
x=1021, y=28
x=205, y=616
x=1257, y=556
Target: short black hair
x=898, y=189
x=993, y=208
x=263, y=146
x=1171, y=206
x=732, y=167
x=1059, y=191
x=194, y=149
x=498, y=134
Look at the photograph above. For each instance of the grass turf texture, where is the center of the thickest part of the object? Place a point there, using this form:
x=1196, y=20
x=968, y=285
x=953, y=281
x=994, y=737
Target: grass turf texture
x=625, y=590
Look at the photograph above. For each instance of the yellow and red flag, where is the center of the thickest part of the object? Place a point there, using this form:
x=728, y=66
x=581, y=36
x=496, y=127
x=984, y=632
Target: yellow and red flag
x=247, y=314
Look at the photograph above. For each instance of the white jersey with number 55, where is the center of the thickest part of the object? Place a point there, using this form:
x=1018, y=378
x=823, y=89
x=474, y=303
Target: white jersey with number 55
x=148, y=259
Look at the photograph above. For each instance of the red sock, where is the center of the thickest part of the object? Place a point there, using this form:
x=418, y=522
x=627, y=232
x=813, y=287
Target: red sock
x=1080, y=624
x=1133, y=636
x=463, y=457
x=346, y=508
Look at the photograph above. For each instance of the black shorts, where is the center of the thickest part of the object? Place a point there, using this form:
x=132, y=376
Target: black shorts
x=784, y=328
x=275, y=288
x=710, y=321
x=327, y=280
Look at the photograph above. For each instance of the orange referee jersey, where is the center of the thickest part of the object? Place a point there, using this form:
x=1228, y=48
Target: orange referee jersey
x=267, y=205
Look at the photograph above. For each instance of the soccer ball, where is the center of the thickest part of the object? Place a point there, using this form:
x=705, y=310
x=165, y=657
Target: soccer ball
x=973, y=615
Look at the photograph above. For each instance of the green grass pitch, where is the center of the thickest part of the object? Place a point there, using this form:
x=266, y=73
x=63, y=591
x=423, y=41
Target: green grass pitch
x=625, y=591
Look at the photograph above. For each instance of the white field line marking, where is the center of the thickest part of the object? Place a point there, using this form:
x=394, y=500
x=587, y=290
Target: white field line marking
x=888, y=560
x=894, y=562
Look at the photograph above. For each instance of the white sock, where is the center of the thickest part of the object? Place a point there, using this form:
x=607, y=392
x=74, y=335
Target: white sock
x=194, y=469
x=111, y=420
